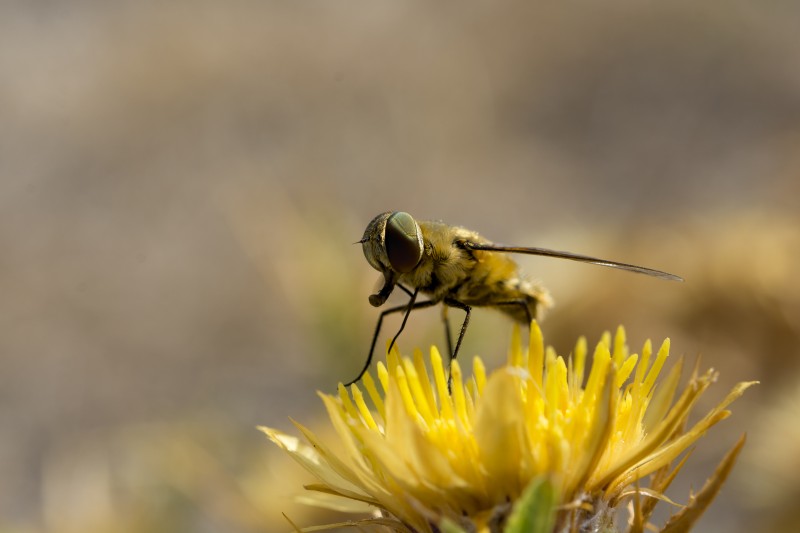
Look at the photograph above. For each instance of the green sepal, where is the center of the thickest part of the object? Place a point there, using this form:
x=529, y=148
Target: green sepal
x=448, y=526
x=535, y=511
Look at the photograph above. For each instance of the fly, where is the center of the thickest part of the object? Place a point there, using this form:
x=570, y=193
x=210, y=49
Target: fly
x=458, y=268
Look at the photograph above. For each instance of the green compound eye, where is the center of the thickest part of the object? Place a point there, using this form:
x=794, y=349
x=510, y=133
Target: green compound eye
x=403, y=241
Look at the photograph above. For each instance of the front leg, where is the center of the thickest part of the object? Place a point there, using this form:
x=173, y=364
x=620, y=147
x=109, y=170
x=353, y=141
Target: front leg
x=407, y=308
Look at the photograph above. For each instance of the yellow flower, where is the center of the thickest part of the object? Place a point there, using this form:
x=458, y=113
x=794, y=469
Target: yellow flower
x=429, y=455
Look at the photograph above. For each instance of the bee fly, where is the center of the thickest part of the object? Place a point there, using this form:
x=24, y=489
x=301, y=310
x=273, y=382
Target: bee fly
x=459, y=268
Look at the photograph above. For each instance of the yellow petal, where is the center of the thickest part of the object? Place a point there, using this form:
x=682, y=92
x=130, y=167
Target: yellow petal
x=499, y=434
x=313, y=462
x=683, y=520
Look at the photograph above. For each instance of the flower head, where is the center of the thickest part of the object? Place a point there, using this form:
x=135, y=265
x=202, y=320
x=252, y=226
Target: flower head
x=425, y=452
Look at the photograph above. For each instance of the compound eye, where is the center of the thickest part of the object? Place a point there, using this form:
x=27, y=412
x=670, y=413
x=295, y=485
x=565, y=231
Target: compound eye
x=403, y=241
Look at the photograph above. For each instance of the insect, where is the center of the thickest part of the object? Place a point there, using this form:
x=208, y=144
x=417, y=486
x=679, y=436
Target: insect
x=458, y=268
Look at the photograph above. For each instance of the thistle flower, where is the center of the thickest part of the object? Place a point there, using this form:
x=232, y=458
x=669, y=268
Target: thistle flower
x=530, y=447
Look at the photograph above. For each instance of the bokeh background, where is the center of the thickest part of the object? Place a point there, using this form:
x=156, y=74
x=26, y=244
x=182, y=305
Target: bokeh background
x=180, y=185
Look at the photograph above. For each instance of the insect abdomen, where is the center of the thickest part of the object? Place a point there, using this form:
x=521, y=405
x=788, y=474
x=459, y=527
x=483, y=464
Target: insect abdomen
x=522, y=294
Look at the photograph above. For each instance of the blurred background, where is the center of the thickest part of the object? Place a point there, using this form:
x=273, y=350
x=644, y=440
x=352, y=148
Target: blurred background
x=180, y=186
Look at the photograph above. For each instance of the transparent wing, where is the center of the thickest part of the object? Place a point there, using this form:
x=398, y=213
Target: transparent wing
x=491, y=247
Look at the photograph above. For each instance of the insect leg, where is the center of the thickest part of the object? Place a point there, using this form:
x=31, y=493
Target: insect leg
x=447, y=335
x=467, y=309
x=405, y=289
x=405, y=318
x=408, y=308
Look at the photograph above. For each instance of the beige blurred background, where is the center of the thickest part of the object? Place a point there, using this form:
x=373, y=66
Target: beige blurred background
x=180, y=186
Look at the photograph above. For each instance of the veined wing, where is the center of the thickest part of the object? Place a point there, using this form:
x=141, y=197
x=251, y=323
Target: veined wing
x=491, y=247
